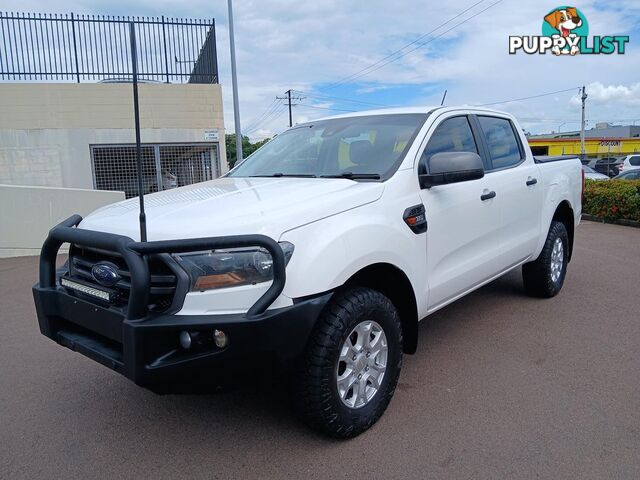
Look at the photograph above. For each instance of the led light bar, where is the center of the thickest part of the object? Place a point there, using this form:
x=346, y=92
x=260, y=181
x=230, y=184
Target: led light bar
x=94, y=292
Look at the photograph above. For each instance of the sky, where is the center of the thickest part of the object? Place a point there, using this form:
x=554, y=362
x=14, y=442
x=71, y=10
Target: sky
x=319, y=48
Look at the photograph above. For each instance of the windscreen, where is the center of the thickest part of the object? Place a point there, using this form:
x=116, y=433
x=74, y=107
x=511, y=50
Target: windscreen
x=368, y=146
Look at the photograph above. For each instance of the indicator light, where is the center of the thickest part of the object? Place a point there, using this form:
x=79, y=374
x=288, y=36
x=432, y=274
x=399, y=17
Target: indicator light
x=416, y=219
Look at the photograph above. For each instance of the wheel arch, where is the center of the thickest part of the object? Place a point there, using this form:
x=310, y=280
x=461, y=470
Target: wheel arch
x=392, y=282
x=564, y=214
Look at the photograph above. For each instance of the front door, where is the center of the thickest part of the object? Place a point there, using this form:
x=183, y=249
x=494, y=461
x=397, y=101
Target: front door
x=463, y=218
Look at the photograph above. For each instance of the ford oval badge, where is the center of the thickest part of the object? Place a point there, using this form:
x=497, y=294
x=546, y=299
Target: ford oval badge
x=105, y=274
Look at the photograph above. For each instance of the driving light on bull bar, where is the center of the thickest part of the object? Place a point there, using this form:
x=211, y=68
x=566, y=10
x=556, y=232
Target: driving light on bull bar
x=231, y=267
x=185, y=340
x=87, y=290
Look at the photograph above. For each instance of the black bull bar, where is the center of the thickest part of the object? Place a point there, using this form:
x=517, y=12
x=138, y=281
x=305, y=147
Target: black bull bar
x=134, y=254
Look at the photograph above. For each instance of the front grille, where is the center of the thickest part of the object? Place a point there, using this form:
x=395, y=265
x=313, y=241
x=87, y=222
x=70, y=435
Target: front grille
x=163, y=280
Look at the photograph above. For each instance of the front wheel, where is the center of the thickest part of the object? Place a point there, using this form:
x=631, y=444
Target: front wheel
x=351, y=368
x=544, y=277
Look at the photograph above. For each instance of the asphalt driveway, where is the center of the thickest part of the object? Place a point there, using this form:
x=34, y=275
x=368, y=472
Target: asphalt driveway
x=503, y=386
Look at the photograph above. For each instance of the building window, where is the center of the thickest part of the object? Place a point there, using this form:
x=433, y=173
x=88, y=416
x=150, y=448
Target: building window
x=163, y=166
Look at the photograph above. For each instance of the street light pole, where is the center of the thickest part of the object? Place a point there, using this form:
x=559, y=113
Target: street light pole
x=234, y=82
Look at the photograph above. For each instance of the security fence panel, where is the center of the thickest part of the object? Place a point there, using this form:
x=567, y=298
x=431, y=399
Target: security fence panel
x=163, y=166
x=80, y=48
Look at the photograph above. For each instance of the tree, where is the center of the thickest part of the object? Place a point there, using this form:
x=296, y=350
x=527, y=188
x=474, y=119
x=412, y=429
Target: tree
x=247, y=147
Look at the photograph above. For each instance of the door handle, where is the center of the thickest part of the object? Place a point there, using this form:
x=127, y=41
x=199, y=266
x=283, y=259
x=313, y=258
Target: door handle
x=487, y=196
x=531, y=181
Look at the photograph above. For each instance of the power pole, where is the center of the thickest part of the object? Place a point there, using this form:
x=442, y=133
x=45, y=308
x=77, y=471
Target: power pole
x=234, y=82
x=289, y=98
x=583, y=97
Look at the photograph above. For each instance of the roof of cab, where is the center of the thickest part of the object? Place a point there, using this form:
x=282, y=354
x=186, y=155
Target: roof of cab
x=403, y=110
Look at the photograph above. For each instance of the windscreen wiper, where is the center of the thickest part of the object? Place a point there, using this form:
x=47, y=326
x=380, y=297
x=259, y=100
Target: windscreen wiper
x=354, y=176
x=279, y=174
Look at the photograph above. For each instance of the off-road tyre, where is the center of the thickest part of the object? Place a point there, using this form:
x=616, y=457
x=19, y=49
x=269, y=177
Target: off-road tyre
x=316, y=396
x=538, y=276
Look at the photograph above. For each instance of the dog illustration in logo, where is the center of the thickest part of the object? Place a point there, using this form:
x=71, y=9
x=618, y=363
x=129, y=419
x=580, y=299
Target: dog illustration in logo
x=565, y=20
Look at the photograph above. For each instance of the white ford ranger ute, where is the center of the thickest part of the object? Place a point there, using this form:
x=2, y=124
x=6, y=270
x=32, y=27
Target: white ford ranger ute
x=322, y=250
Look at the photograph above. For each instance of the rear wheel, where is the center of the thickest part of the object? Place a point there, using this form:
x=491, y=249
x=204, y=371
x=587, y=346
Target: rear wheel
x=544, y=277
x=351, y=368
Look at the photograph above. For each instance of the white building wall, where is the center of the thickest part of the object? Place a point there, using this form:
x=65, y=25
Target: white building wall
x=28, y=213
x=46, y=129
x=62, y=157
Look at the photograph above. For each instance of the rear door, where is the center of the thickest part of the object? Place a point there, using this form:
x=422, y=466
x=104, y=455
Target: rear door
x=516, y=180
x=462, y=238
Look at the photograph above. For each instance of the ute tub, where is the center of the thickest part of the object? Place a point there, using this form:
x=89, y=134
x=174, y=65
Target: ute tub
x=144, y=346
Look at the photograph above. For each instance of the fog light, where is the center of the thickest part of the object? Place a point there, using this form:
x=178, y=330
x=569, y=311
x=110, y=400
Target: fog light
x=220, y=338
x=185, y=340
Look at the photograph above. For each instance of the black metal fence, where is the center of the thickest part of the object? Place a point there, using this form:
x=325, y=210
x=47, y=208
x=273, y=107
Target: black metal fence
x=68, y=47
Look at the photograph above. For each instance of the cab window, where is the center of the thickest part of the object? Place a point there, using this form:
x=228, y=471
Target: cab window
x=504, y=149
x=452, y=135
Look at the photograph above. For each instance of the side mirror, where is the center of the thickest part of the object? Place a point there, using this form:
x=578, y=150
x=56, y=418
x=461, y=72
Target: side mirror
x=452, y=167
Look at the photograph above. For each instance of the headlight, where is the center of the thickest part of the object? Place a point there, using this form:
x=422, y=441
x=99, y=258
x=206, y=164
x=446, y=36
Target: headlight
x=230, y=267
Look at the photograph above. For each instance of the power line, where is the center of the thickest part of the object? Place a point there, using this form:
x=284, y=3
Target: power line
x=275, y=114
x=268, y=111
x=279, y=110
x=567, y=120
x=276, y=109
x=548, y=120
x=325, y=108
x=392, y=54
x=358, y=74
x=574, y=120
x=274, y=103
x=528, y=98
x=342, y=99
x=430, y=40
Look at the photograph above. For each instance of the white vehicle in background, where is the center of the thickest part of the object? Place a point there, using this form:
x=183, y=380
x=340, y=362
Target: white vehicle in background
x=630, y=162
x=591, y=174
x=322, y=250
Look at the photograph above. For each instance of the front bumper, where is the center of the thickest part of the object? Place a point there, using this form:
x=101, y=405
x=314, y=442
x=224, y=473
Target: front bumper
x=148, y=351
x=144, y=346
